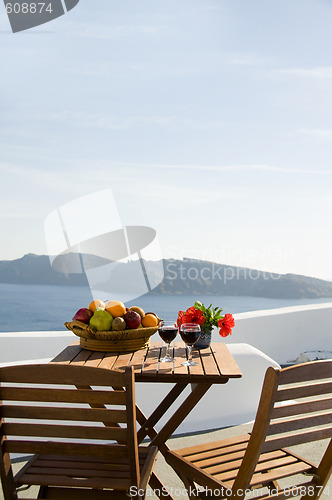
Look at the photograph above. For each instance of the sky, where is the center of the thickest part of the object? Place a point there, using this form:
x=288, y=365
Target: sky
x=210, y=120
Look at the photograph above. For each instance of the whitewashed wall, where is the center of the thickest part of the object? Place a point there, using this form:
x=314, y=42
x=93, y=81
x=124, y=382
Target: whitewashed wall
x=288, y=334
x=24, y=346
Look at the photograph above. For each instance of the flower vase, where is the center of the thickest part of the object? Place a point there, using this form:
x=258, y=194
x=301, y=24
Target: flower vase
x=204, y=340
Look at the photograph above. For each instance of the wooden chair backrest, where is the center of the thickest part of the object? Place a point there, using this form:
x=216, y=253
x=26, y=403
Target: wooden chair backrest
x=72, y=410
x=295, y=407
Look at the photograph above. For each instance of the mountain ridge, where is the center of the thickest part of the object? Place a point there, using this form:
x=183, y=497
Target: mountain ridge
x=181, y=277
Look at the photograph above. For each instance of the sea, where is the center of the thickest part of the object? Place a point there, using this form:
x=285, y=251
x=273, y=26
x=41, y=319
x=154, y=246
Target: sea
x=48, y=307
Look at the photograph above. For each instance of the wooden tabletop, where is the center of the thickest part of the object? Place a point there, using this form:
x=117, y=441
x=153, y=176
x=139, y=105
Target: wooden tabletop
x=215, y=364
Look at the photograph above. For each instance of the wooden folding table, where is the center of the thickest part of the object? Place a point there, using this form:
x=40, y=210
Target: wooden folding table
x=216, y=365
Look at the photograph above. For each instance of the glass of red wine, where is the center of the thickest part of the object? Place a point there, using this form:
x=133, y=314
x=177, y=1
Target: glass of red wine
x=190, y=333
x=168, y=332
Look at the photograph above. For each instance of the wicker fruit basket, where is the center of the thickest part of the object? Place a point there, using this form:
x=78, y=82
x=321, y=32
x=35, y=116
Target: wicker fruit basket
x=112, y=341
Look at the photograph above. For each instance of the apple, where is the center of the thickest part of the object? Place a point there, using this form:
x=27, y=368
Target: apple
x=132, y=319
x=139, y=310
x=83, y=315
x=101, y=320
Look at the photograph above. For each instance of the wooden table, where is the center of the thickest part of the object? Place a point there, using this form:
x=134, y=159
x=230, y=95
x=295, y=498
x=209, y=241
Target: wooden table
x=216, y=365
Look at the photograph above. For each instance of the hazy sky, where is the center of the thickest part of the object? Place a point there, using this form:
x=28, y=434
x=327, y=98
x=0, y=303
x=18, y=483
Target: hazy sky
x=211, y=120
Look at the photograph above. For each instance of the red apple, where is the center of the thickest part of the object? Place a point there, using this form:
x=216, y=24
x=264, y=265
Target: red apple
x=83, y=315
x=132, y=319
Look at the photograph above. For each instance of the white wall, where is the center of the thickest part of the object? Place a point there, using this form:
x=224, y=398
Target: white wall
x=288, y=334
x=23, y=346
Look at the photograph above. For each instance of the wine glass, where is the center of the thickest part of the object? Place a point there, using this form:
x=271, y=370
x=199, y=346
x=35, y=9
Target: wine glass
x=190, y=333
x=168, y=332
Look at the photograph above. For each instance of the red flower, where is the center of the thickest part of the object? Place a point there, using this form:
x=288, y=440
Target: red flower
x=226, y=324
x=179, y=320
x=191, y=315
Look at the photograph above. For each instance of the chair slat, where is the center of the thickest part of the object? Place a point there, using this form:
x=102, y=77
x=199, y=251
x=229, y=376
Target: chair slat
x=230, y=471
x=220, y=461
x=62, y=395
x=143, y=451
x=65, y=431
x=65, y=374
x=57, y=413
x=302, y=407
x=303, y=437
x=223, y=446
x=304, y=391
x=279, y=473
x=306, y=372
x=78, y=458
x=204, y=459
x=89, y=464
x=294, y=424
x=72, y=449
x=96, y=482
x=79, y=472
x=235, y=457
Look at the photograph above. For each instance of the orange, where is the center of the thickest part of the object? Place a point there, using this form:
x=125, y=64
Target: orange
x=116, y=308
x=150, y=320
x=96, y=303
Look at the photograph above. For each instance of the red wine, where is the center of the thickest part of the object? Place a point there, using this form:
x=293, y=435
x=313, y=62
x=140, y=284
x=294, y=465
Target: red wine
x=190, y=336
x=168, y=333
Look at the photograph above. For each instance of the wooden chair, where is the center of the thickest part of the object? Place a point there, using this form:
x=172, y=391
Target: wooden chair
x=79, y=423
x=294, y=408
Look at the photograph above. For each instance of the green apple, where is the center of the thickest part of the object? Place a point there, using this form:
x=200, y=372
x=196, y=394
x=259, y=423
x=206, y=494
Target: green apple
x=101, y=321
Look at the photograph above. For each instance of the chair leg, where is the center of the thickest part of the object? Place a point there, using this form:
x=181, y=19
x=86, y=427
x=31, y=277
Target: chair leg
x=157, y=485
x=192, y=490
x=194, y=493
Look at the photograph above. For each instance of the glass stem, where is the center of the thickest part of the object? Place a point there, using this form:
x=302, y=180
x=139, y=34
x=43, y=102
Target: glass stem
x=167, y=351
x=189, y=353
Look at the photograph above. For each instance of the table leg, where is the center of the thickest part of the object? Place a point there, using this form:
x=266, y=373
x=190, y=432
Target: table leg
x=159, y=439
x=147, y=425
x=198, y=391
